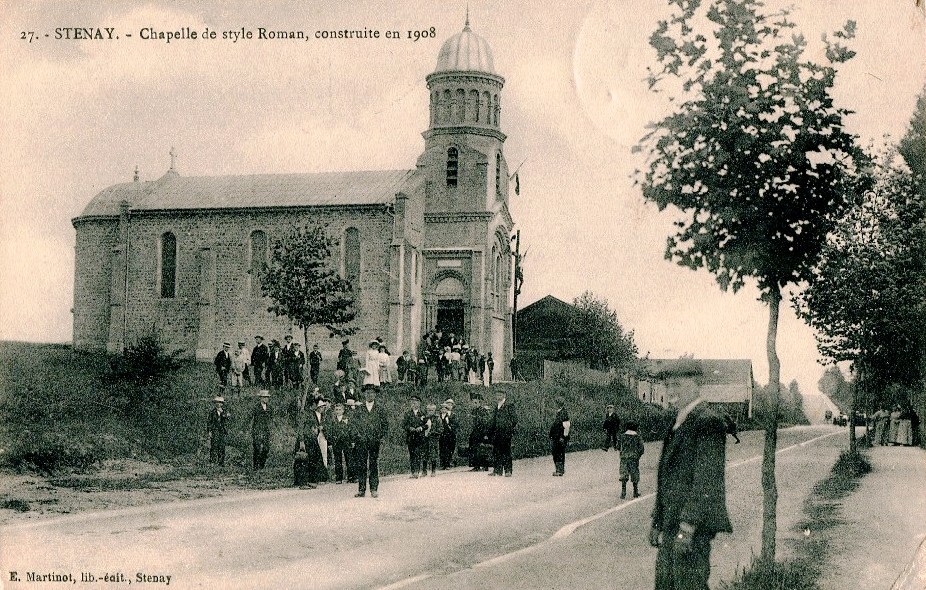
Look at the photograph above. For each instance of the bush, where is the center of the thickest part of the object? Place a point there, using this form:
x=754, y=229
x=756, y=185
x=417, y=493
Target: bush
x=141, y=371
x=760, y=575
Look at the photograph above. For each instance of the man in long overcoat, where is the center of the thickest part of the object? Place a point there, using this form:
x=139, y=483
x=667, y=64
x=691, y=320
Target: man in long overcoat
x=261, y=418
x=501, y=431
x=371, y=428
x=691, y=505
x=223, y=364
x=217, y=430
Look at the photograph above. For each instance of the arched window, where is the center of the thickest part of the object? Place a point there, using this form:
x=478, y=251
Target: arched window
x=497, y=278
x=461, y=105
x=453, y=163
x=473, y=106
x=167, y=277
x=447, y=110
x=496, y=109
x=258, y=261
x=352, y=256
x=498, y=174
x=487, y=103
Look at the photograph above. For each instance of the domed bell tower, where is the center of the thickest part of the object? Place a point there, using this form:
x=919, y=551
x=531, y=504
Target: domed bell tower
x=466, y=256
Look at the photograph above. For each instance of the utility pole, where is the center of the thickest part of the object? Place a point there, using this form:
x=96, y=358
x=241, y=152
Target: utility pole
x=518, y=281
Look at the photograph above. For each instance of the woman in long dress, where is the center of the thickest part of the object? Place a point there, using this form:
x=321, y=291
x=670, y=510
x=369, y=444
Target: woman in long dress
x=370, y=368
x=895, y=425
x=385, y=372
x=309, y=465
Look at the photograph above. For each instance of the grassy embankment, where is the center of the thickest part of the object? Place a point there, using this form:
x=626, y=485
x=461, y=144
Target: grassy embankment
x=820, y=522
x=61, y=416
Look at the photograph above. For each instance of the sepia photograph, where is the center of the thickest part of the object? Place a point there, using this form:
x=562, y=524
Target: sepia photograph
x=469, y=295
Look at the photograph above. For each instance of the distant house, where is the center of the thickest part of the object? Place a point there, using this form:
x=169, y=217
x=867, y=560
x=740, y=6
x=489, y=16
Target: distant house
x=542, y=333
x=718, y=380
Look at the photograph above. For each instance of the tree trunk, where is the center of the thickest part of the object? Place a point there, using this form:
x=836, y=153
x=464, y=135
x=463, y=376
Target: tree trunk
x=853, y=405
x=769, y=487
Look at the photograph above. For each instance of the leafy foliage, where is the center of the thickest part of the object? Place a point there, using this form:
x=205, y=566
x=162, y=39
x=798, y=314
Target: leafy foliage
x=867, y=299
x=304, y=287
x=597, y=337
x=757, y=157
x=139, y=374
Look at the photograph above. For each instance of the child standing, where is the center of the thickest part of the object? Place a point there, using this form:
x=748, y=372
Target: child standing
x=434, y=427
x=611, y=425
x=631, y=448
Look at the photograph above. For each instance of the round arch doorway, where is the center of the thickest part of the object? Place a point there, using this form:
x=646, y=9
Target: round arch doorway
x=451, y=306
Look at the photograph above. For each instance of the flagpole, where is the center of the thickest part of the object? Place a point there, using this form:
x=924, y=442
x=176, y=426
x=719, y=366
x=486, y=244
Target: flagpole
x=517, y=289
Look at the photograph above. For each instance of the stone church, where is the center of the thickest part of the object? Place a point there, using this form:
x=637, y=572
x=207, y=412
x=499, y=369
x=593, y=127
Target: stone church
x=423, y=248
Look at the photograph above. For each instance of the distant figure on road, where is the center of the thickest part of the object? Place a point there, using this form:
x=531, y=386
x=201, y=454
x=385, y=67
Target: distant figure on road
x=882, y=419
x=691, y=505
x=501, y=431
x=217, y=429
x=260, y=429
x=611, y=427
x=631, y=448
x=559, y=437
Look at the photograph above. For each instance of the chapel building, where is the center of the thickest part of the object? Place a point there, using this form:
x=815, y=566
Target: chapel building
x=424, y=248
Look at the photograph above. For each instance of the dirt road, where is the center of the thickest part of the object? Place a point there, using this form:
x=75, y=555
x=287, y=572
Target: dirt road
x=457, y=530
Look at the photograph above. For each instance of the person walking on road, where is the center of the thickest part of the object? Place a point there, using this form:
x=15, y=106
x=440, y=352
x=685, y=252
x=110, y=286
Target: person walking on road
x=559, y=437
x=611, y=427
x=631, y=449
x=691, y=505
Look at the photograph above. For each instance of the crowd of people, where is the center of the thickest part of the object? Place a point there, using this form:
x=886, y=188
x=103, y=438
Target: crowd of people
x=899, y=427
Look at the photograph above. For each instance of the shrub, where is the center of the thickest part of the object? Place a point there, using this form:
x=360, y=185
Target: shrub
x=141, y=371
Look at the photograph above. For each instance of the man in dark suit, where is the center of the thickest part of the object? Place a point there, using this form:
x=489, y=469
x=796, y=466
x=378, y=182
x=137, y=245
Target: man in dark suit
x=559, y=437
x=217, y=430
x=315, y=364
x=611, y=425
x=260, y=429
x=479, y=435
x=691, y=505
x=501, y=431
x=448, y=437
x=413, y=425
x=372, y=427
x=260, y=356
x=222, y=364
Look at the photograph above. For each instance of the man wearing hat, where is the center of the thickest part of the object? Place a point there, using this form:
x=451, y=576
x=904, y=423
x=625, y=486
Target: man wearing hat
x=287, y=353
x=259, y=358
x=338, y=431
x=217, y=429
x=448, y=437
x=246, y=356
x=611, y=426
x=559, y=437
x=298, y=366
x=345, y=357
x=372, y=427
x=413, y=424
x=501, y=431
x=261, y=418
x=479, y=445
x=315, y=364
x=223, y=364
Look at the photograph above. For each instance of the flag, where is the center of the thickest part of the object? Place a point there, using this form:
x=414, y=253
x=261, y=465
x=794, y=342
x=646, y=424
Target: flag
x=517, y=184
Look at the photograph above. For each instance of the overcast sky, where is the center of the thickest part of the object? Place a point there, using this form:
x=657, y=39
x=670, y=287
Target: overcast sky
x=78, y=116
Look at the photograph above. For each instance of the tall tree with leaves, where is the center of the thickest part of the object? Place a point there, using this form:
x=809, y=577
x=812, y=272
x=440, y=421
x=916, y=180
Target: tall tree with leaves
x=304, y=287
x=867, y=299
x=596, y=337
x=755, y=156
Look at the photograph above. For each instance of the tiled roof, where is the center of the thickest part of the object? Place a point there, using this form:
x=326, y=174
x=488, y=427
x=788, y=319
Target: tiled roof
x=707, y=371
x=173, y=191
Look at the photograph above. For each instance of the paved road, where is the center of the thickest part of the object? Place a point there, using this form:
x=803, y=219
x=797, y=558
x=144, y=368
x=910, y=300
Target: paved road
x=457, y=530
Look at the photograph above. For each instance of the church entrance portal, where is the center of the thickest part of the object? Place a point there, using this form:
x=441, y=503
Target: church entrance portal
x=451, y=316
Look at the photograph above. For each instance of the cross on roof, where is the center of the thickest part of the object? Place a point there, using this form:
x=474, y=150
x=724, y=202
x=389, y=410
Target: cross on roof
x=173, y=157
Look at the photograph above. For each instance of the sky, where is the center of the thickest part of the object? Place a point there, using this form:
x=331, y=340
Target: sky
x=77, y=116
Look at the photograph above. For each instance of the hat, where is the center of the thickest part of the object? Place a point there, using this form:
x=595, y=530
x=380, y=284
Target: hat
x=450, y=402
x=241, y=343
x=610, y=405
x=414, y=398
x=226, y=344
x=258, y=337
x=345, y=341
x=263, y=393
x=350, y=402
x=376, y=342
x=350, y=381
x=219, y=398
x=296, y=344
x=288, y=337
x=339, y=373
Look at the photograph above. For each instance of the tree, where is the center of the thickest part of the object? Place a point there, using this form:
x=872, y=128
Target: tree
x=755, y=156
x=302, y=285
x=596, y=337
x=833, y=385
x=867, y=299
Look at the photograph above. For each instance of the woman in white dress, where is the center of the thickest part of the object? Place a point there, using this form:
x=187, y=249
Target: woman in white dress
x=370, y=368
x=385, y=372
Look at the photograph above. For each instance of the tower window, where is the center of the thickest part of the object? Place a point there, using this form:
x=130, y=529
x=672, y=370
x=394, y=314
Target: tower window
x=452, y=166
x=498, y=174
x=352, y=256
x=258, y=261
x=168, y=268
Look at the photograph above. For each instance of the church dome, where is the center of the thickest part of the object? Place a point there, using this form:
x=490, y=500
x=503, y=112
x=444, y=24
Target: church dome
x=465, y=52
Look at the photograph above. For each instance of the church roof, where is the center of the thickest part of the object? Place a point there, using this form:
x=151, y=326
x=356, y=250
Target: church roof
x=172, y=191
x=465, y=52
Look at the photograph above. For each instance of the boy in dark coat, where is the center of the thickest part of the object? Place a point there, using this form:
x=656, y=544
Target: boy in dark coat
x=631, y=447
x=413, y=425
x=433, y=428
